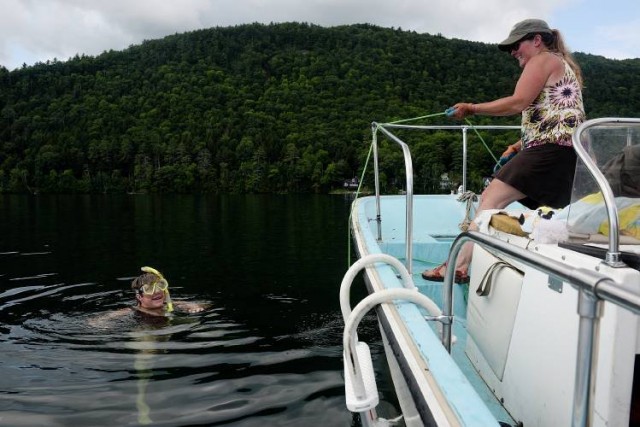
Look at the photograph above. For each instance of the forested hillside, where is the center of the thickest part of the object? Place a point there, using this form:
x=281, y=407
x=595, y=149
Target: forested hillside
x=260, y=108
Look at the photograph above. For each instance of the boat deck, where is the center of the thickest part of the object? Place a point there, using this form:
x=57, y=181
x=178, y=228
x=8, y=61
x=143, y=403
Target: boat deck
x=434, y=231
x=433, y=290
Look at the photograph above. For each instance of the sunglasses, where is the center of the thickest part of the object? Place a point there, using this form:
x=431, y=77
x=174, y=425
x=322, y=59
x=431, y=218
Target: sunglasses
x=152, y=288
x=517, y=44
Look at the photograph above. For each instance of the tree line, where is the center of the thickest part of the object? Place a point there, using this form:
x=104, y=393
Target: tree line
x=261, y=109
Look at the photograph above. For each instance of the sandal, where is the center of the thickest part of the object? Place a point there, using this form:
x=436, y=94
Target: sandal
x=437, y=275
x=461, y=278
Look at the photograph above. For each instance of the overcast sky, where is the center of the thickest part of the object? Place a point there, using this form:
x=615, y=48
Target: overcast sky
x=39, y=30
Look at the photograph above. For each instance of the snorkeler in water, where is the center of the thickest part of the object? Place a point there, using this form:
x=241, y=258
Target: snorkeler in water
x=153, y=298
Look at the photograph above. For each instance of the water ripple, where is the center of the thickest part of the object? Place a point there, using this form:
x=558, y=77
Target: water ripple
x=94, y=362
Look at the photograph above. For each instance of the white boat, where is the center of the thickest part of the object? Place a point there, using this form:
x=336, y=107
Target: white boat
x=545, y=334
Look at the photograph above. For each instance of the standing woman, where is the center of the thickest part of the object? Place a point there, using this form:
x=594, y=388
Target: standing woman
x=549, y=96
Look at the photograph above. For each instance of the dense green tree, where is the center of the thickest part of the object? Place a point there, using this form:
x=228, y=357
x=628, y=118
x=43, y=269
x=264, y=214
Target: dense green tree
x=262, y=108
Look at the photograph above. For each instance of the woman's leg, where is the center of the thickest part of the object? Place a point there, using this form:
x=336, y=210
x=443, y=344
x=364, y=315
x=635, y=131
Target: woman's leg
x=497, y=195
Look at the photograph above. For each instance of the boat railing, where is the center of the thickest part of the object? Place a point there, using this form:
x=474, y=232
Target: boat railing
x=385, y=128
x=613, y=255
x=360, y=388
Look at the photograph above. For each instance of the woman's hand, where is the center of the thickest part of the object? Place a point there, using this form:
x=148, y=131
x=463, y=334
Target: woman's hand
x=512, y=149
x=462, y=110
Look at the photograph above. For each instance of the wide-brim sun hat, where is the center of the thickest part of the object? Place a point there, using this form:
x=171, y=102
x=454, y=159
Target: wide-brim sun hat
x=521, y=30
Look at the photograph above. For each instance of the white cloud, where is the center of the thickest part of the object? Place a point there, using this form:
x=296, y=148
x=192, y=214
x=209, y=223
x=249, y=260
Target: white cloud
x=39, y=30
x=615, y=41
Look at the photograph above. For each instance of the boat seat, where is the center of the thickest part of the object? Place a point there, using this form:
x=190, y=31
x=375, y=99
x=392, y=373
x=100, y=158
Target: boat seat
x=494, y=295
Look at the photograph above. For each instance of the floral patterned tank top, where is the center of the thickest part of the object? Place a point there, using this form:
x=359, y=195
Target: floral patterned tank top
x=555, y=114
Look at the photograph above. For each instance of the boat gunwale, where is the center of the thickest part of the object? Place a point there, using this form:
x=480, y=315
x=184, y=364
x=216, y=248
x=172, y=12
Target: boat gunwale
x=453, y=389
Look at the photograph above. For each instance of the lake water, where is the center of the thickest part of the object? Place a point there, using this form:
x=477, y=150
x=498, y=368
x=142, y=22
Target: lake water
x=268, y=351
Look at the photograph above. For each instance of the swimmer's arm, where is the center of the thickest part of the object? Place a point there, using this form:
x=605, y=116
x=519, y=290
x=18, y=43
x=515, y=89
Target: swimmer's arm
x=190, y=307
x=102, y=319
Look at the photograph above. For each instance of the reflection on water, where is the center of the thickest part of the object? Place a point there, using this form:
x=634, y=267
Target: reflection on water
x=134, y=369
x=267, y=352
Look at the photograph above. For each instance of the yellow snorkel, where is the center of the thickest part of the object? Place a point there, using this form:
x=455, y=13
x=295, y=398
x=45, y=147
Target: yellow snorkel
x=167, y=297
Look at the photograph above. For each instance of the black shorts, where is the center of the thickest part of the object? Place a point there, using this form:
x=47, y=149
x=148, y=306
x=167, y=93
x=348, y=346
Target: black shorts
x=543, y=173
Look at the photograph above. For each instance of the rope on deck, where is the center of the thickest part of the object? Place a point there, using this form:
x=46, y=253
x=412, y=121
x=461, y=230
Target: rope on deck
x=468, y=196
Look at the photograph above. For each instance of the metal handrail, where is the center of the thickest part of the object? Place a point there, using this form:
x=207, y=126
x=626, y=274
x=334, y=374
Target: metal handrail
x=593, y=288
x=408, y=164
x=353, y=317
x=345, y=285
x=613, y=256
x=350, y=337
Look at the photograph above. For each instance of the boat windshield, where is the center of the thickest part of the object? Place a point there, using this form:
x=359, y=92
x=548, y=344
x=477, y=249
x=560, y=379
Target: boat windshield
x=614, y=149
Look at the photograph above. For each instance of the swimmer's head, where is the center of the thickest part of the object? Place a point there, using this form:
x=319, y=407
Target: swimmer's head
x=152, y=289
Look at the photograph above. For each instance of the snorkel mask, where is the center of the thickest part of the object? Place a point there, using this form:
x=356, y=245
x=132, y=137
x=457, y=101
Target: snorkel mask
x=160, y=284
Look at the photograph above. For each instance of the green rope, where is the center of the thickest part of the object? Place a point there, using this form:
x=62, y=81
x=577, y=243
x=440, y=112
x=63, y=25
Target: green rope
x=418, y=118
x=364, y=170
x=442, y=114
x=482, y=140
x=369, y=156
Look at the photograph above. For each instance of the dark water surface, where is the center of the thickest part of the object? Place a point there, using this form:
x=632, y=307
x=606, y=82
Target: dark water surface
x=267, y=353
